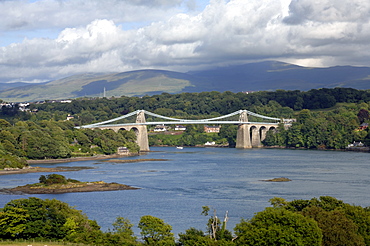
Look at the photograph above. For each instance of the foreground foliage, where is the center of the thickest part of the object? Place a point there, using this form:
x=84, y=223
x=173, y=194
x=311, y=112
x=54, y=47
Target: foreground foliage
x=341, y=223
x=35, y=218
x=278, y=227
x=318, y=221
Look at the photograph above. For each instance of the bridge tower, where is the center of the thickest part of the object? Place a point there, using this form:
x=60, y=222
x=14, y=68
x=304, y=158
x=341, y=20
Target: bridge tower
x=243, y=137
x=142, y=132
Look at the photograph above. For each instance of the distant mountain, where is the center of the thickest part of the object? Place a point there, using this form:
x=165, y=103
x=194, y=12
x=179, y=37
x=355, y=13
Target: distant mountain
x=5, y=86
x=269, y=75
x=273, y=75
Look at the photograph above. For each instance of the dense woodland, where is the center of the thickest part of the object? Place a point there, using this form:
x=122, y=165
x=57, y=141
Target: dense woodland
x=48, y=139
x=326, y=119
x=318, y=221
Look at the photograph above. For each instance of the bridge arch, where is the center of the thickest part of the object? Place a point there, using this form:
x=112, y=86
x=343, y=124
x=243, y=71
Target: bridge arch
x=136, y=131
x=263, y=132
x=255, y=136
x=140, y=131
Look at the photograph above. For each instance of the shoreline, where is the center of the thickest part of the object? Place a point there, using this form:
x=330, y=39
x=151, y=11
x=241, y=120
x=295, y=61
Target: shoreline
x=71, y=159
x=41, y=170
x=35, y=169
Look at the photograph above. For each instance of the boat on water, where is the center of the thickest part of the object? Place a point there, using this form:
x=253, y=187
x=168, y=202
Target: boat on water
x=179, y=147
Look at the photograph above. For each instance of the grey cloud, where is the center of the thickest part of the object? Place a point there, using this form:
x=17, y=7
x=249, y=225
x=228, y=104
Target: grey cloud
x=17, y=24
x=157, y=3
x=326, y=11
x=47, y=14
x=298, y=13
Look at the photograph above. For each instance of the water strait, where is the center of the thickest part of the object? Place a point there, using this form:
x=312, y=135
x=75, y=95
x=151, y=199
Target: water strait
x=224, y=179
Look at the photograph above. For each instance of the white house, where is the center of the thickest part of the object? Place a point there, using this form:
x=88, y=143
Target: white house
x=180, y=128
x=160, y=128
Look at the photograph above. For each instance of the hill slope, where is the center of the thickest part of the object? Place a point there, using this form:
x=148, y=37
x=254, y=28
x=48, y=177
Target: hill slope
x=268, y=75
x=93, y=85
x=277, y=75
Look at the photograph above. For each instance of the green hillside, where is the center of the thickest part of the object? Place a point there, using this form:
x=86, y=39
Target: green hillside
x=93, y=85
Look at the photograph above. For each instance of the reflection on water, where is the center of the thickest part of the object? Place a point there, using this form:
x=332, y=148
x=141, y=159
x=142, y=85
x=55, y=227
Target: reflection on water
x=225, y=179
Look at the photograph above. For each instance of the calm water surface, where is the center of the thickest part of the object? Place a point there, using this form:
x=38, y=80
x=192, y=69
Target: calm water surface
x=224, y=179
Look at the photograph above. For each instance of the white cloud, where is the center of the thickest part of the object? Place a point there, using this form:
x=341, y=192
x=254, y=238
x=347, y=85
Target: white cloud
x=96, y=36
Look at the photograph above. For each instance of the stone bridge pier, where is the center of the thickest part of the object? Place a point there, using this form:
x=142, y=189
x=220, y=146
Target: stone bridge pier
x=251, y=135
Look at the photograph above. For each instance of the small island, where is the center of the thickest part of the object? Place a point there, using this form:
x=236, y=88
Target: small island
x=282, y=179
x=58, y=184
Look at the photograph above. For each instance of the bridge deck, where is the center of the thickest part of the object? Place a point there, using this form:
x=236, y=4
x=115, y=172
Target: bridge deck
x=182, y=123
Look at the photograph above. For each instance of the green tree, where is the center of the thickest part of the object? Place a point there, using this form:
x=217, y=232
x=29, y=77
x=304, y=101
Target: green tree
x=155, y=231
x=11, y=161
x=34, y=218
x=216, y=229
x=277, y=226
x=195, y=237
x=52, y=179
x=336, y=228
x=304, y=115
x=4, y=124
x=123, y=226
x=229, y=132
x=122, y=233
x=13, y=222
x=363, y=115
x=339, y=221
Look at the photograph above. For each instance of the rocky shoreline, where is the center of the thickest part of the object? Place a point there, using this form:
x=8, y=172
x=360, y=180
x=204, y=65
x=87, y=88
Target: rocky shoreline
x=34, y=169
x=67, y=188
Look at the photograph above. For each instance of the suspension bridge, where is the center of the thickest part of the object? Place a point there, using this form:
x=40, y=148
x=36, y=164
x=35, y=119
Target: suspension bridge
x=249, y=134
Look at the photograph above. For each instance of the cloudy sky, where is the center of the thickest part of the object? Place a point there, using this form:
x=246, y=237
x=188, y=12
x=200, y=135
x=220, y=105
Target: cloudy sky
x=43, y=40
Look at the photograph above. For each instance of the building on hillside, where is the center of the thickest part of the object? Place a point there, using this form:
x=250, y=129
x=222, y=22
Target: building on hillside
x=123, y=151
x=363, y=126
x=180, y=128
x=356, y=144
x=287, y=121
x=209, y=129
x=21, y=106
x=70, y=117
x=160, y=128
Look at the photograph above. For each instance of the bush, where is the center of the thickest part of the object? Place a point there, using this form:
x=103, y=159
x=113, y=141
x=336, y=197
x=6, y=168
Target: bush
x=53, y=179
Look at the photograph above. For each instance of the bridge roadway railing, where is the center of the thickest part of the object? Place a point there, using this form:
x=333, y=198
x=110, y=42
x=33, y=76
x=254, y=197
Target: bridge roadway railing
x=174, y=121
x=199, y=122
